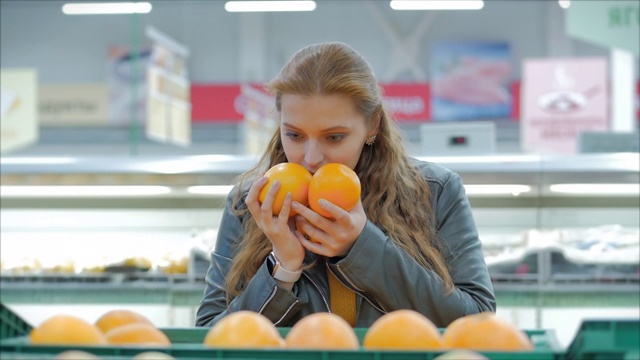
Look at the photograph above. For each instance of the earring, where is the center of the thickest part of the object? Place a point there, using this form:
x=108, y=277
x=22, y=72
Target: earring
x=370, y=140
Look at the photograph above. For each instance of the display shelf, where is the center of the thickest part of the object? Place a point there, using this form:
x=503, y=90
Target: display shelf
x=614, y=164
x=25, y=217
x=183, y=290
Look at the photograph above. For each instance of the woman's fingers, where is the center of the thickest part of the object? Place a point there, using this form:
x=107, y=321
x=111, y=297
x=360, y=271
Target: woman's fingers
x=253, y=204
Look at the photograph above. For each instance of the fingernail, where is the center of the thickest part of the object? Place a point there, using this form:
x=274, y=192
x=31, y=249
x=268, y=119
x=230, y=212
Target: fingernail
x=322, y=202
x=294, y=204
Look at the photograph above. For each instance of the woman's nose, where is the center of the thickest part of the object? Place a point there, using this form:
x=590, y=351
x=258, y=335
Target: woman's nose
x=313, y=156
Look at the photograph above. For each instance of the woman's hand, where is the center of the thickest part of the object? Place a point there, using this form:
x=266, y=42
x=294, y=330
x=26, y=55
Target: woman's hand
x=280, y=230
x=331, y=237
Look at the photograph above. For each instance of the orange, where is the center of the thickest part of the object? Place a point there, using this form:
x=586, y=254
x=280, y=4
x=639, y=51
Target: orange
x=244, y=329
x=293, y=178
x=118, y=317
x=137, y=334
x=336, y=183
x=322, y=331
x=403, y=330
x=485, y=331
x=68, y=330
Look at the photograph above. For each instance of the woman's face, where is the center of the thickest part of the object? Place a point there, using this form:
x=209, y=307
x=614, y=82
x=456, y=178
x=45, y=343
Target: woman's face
x=321, y=129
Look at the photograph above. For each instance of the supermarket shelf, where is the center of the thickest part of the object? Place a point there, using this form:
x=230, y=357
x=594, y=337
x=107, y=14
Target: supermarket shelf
x=186, y=290
x=224, y=163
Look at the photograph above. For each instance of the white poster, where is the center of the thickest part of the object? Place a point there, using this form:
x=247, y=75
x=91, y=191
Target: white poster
x=127, y=79
x=561, y=98
x=18, y=106
x=168, y=92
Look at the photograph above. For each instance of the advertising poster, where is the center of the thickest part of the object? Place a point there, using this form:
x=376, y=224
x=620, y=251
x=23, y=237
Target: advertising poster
x=560, y=99
x=168, y=91
x=127, y=74
x=470, y=81
x=168, y=100
x=18, y=108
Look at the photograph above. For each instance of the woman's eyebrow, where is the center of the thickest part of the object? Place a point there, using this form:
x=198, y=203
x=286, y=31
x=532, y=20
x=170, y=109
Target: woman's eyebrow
x=333, y=128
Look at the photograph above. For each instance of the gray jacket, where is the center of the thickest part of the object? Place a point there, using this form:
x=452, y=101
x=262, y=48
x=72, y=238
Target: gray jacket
x=384, y=276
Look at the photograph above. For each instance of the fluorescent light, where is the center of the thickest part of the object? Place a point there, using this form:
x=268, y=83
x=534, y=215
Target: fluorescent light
x=213, y=158
x=564, y=3
x=106, y=8
x=596, y=189
x=436, y=4
x=265, y=5
x=172, y=167
x=210, y=190
x=36, y=160
x=481, y=159
x=75, y=191
x=497, y=189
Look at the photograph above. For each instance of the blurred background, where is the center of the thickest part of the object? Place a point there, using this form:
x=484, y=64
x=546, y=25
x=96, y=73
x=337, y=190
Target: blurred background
x=122, y=133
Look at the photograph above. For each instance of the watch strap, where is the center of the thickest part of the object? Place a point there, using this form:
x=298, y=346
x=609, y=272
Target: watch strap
x=282, y=274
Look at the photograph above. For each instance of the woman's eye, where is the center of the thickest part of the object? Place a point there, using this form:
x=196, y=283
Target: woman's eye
x=293, y=136
x=335, y=138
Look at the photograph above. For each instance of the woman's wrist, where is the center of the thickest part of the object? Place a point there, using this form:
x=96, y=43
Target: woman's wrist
x=285, y=285
x=282, y=273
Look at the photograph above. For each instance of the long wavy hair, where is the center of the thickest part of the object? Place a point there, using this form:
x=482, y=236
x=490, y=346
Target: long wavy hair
x=397, y=201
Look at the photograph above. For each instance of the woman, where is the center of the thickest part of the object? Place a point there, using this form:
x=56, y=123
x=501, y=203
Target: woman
x=410, y=243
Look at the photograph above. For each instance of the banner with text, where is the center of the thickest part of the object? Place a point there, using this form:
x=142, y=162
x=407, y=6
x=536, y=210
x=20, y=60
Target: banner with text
x=73, y=104
x=408, y=102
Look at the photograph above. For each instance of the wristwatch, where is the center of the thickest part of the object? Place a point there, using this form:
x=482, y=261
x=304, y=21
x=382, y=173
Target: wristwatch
x=282, y=274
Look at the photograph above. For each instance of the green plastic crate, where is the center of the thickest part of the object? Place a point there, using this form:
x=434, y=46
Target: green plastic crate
x=12, y=325
x=606, y=340
x=187, y=345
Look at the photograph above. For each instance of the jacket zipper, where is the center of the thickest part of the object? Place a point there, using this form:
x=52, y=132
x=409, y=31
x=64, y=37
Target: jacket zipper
x=271, y=296
x=326, y=303
x=359, y=291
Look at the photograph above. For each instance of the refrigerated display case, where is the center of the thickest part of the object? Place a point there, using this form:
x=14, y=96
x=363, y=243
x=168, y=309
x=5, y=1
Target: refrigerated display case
x=557, y=231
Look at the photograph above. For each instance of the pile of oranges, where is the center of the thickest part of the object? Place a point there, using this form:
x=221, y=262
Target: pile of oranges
x=397, y=330
x=116, y=327
x=400, y=330
x=334, y=182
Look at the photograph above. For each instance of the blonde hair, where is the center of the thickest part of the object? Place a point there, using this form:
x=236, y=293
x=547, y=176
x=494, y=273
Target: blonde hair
x=397, y=201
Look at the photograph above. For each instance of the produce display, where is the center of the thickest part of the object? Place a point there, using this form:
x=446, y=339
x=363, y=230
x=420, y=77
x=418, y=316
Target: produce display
x=401, y=334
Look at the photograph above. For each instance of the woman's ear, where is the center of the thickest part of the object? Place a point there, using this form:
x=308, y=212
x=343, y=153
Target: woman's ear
x=375, y=126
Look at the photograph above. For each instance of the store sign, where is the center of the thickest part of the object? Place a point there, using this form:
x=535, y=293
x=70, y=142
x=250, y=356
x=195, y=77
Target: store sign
x=407, y=102
x=216, y=103
x=226, y=102
x=18, y=108
x=611, y=23
x=73, y=104
x=560, y=99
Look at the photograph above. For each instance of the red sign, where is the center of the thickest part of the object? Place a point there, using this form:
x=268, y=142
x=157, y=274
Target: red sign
x=215, y=103
x=225, y=102
x=407, y=101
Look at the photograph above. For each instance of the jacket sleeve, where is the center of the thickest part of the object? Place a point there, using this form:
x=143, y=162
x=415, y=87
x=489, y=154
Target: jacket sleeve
x=262, y=294
x=384, y=272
